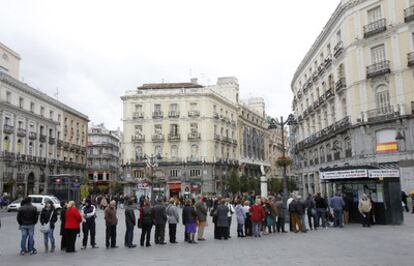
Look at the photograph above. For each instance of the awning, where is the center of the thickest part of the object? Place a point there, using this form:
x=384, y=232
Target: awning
x=174, y=186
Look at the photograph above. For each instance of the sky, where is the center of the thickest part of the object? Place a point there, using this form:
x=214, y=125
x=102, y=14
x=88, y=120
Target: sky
x=92, y=51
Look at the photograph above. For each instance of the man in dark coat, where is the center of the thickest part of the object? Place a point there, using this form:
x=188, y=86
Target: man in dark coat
x=27, y=218
x=88, y=225
x=222, y=221
x=160, y=218
x=130, y=223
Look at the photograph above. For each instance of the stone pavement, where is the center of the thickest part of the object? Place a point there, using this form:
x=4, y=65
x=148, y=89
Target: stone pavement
x=352, y=245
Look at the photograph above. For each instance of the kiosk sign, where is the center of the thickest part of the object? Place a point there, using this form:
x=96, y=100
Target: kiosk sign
x=379, y=173
x=344, y=174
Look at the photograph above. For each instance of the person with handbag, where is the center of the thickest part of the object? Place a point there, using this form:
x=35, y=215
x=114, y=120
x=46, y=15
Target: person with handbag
x=146, y=220
x=27, y=218
x=365, y=207
x=73, y=220
x=48, y=218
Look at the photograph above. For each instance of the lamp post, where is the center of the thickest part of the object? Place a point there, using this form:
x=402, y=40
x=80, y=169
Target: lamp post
x=152, y=162
x=274, y=124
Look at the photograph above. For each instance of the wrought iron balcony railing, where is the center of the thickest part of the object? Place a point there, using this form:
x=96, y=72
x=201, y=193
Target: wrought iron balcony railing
x=383, y=113
x=340, y=84
x=158, y=138
x=174, y=137
x=194, y=136
x=338, y=49
x=157, y=114
x=8, y=129
x=138, y=115
x=138, y=138
x=409, y=14
x=193, y=113
x=410, y=59
x=378, y=69
x=375, y=28
x=21, y=132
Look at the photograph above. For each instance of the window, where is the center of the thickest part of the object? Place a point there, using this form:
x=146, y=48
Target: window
x=382, y=100
x=157, y=108
x=138, y=108
x=374, y=14
x=338, y=35
x=51, y=114
x=378, y=54
x=194, y=128
x=30, y=148
x=6, y=143
x=20, y=124
x=348, y=147
x=174, y=130
x=158, y=150
x=42, y=111
x=139, y=173
x=138, y=130
x=173, y=107
x=158, y=129
x=194, y=152
x=174, y=152
x=32, y=107
x=8, y=97
x=193, y=106
x=139, y=153
x=344, y=111
x=59, y=117
x=21, y=102
x=195, y=172
x=174, y=172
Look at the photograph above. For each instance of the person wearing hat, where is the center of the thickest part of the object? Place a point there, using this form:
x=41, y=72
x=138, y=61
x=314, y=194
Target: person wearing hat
x=88, y=224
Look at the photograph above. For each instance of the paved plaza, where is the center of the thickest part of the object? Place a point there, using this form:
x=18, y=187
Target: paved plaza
x=352, y=245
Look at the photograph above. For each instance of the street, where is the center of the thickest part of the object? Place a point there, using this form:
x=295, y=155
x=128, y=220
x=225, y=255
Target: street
x=352, y=245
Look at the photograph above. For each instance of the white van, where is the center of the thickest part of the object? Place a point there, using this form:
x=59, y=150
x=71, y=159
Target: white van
x=39, y=201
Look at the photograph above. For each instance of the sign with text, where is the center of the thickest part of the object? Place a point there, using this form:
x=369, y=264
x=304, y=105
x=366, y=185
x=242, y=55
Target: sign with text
x=344, y=174
x=377, y=173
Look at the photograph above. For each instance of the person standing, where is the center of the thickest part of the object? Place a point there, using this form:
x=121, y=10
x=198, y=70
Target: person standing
x=364, y=207
x=281, y=214
x=63, y=239
x=27, y=217
x=222, y=220
x=73, y=219
x=88, y=225
x=241, y=218
x=311, y=212
x=247, y=221
x=404, y=200
x=229, y=216
x=294, y=210
x=160, y=217
x=201, y=211
x=49, y=216
x=337, y=204
x=130, y=223
x=321, y=207
x=146, y=221
x=257, y=216
x=213, y=213
x=189, y=220
x=301, y=207
x=111, y=221
x=173, y=219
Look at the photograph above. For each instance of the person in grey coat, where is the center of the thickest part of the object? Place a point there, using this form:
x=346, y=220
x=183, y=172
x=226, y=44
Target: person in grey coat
x=160, y=219
x=221, y=214
x=173, y=220
x=241, y=217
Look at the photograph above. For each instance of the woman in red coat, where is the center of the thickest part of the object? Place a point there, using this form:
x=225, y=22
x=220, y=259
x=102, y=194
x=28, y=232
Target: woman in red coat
x=257, y=215
x=72, y=225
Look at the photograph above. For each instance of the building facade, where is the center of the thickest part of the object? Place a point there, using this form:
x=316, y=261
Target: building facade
x=37, y=140
x=275, y=151
x=353, y=94
x=103, y=151
x=193, y=135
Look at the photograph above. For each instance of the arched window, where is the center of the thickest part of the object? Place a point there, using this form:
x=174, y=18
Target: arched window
x=158, y=150
x=344, y=110
x=41, y=150
x=341, y=71
x=194, y=152
x=30, y=148
x=174, y=152
x=348, y=147
x=328, y=152
x=139, y=153
x=322, y=154
x=6, y=143
x=382, y=100
x=19, y=146
x=337, y=150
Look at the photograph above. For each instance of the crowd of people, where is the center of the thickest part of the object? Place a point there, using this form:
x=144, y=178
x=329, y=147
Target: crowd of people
x=255, y=215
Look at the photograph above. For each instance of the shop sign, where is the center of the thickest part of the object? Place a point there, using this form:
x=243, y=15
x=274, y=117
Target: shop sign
x=344, y=174
x=379, y=173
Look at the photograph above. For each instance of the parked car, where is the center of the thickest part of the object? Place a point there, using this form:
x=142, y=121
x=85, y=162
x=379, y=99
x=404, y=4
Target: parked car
x=14, y=206
x=39, y=201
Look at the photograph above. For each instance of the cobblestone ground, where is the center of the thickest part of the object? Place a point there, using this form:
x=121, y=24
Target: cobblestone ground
x=352, y=245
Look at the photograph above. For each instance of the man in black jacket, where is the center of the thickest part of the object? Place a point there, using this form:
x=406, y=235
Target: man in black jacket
x=321, y=206
x=130, y=224
x=160, y=218
x=27, y=217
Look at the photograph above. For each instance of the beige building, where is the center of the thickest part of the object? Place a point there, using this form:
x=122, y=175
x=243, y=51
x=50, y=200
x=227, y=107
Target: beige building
x=195, y=135
x=275, y=151
x=354, y=94
x=40, y=137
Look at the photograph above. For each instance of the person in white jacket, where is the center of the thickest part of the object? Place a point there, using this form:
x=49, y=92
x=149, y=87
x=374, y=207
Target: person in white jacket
x=229, y=215
x=88, y=224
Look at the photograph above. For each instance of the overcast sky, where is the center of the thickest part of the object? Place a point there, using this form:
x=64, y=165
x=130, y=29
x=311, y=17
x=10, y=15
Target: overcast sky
x=95, y=50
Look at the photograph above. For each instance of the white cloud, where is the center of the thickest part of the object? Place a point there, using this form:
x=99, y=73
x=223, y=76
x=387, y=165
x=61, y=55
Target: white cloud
x=95, y=50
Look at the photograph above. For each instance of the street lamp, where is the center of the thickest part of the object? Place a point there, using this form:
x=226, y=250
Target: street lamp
x=274, y=124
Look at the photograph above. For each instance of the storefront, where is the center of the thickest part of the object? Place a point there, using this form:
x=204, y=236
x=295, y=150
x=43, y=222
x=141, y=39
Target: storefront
x=381, y=185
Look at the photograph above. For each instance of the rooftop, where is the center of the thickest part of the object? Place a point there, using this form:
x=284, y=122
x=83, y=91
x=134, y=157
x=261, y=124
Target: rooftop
x=180, y=85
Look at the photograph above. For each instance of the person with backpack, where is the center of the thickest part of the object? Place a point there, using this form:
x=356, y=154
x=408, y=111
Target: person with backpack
x=88, y=225
x=48, y=218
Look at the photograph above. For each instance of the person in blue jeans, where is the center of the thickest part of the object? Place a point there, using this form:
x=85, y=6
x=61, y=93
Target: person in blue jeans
x=337, y=204
x=27, y=217
x=49, y=215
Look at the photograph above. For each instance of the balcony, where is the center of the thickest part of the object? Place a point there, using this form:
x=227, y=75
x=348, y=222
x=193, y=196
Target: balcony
x=42, y=138
x=138, y=138
x=194, y=136
x=227, y=140
x=193, y=113
x=173, y=114
x=216, y=116
x=174, y=137
x=157, y=115
x=375, y=28
x=32, y=135
x=217, y=137
x=158, y=138
x=328, y=62
x=8, y=129
x=340, y=84
x=52, y=141
x=59, y=143
x=21, y=132
x=378, y=69
x=234, y=141
x=383, y=113
x=409, y=14
x=138, y=115
x=338, y=49
x=410, y=59
x=316, y=104
x=329, y=93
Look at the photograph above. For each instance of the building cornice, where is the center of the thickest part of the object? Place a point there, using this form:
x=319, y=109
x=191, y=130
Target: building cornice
x=40, y=95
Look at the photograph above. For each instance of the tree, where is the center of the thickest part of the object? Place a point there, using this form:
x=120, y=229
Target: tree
x=233, y=183
x=117, y=187
x=275, y=185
